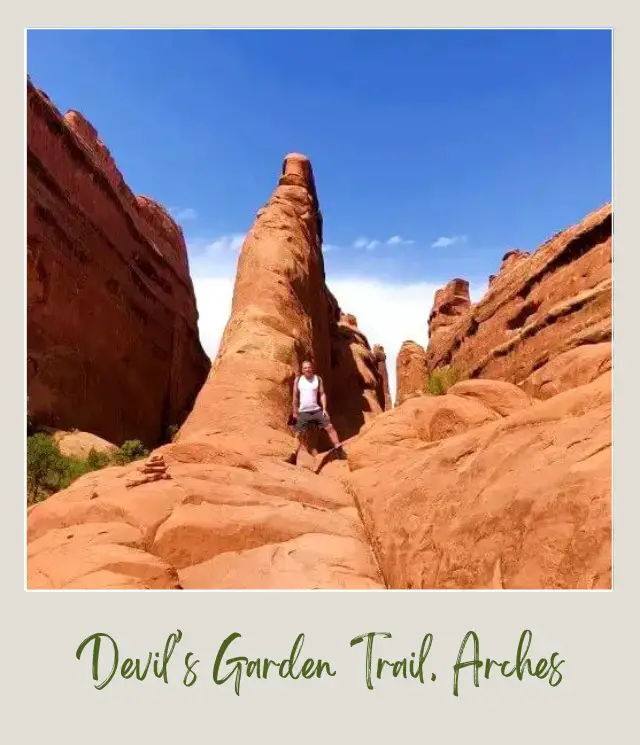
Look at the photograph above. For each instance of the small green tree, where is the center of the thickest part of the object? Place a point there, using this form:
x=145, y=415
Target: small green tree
x=72, y=469
x=45, y=466
x=129, y=451
x=96, y=460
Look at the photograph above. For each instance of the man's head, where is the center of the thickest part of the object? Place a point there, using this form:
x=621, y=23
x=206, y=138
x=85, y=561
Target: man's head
x=307, y=368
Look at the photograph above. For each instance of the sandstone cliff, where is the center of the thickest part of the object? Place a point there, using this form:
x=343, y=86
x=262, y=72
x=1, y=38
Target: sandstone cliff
x=112, y=337
x=545, y=322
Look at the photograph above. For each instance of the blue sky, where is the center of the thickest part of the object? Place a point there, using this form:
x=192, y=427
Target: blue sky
x=461, y=143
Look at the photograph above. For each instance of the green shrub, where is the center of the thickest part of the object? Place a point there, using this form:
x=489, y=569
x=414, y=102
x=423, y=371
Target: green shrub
x=96, y=460
x=129, y=451
x=440, y=380
x=45, y=467
x=49, y=471
x=172, y=431
x=72, y=469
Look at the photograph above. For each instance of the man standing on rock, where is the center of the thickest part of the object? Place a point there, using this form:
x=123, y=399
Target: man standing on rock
x=310, y=407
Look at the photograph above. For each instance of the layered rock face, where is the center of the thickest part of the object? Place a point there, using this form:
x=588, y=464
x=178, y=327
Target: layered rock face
x=113, y=345
x=221, y=509
x=545, y=322
x=508, y=260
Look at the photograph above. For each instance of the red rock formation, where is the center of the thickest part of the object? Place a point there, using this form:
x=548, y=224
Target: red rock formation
x=113, y=345
x=450, y=302
x=511, y=258
x=411, y=371
x=540, y=310
x=381, y=362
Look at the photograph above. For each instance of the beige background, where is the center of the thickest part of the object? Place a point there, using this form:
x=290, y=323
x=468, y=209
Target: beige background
x=48, y=694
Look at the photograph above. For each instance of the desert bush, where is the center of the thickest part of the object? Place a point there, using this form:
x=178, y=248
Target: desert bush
x=49, y=471
x=45, y=467
x=96, y=461
x=440, y=380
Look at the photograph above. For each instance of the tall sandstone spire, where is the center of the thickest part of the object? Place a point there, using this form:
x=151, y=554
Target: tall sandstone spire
x=282, y=314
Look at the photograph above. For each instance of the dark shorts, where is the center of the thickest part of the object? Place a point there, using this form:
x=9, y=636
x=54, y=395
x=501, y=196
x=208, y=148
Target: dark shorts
x=309, y=418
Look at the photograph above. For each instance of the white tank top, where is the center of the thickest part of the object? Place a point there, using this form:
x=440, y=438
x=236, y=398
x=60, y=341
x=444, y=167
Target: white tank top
x=308, y=393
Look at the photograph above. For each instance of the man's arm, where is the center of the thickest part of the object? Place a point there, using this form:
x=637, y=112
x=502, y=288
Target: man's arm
x=323, y=395
x=295, y=401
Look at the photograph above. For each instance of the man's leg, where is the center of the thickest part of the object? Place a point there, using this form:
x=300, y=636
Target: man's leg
x=298, y=430
x=331, y=431
x=333, y=436
x=293, y=457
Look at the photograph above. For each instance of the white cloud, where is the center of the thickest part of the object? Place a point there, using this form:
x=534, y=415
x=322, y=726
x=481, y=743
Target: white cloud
x=369, y=244
x=366, y=243
x=213, y=296
x=213, y=270
x=212, y=258
x=445, y=241
x=225, y=243
x=397, y=240
x=186, y=213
